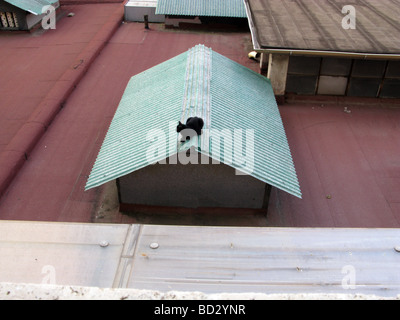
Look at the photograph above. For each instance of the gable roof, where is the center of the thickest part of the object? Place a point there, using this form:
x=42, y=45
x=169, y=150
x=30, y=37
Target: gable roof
x=213, y=8
x=200, y=82
x=32, y=6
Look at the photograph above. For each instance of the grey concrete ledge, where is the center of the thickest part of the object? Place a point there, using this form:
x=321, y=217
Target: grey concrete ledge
x=12, y=291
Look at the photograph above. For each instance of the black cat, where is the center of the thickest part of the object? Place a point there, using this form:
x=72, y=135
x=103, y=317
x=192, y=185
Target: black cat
x=194, y=124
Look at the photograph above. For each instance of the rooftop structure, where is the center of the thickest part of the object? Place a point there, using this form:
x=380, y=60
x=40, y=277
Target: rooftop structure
x=210, y=8
x=315, y=27
x=137, y=10
x=23, y=14
x=202, y=83
x=328, y=47
x=32, y=6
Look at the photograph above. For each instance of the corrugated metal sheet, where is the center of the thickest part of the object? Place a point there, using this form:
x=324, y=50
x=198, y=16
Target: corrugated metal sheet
x=32, y=6
x=197, y=97
x=213, y=8
x=151, y=100
x=248, y=103
x=236, y=103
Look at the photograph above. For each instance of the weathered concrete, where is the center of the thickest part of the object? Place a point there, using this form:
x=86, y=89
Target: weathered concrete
x=264, y=60
x=12, y=291
x=277, y=72
x=192, y=186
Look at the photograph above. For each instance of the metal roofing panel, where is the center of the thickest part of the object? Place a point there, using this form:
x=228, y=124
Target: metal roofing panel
x=249, y=104
x=205, y=259
x=62, y=253
x=151, y=100
x=272, y=260
x=238, y=107
x=32, y=6
x=215, y=8
x=197, y=97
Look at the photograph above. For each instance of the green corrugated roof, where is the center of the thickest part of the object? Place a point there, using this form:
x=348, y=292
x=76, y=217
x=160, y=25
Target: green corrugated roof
x=214, y=8
x=32, y=6
x=231, y=99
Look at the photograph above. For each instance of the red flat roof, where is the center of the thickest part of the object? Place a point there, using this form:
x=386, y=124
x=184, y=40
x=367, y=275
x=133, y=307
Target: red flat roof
x=348, y=163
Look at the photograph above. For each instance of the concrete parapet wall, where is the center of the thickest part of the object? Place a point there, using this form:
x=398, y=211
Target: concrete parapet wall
x=12, y=291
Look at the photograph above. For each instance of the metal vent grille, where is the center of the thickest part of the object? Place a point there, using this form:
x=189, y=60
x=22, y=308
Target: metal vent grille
x=8, y=20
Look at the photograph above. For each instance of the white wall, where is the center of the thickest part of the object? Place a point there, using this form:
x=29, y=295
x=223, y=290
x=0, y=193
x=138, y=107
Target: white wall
x=136, y=10
x=191, y=186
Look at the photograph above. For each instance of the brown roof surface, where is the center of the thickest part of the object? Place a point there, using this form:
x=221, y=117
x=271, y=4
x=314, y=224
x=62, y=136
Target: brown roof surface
x=317, y=25
x=348, y=163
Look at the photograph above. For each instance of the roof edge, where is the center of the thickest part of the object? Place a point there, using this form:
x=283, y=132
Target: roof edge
x=259, y=168
x=195, y=146
x=31, y=8
x=253, y=30
x=325, y=53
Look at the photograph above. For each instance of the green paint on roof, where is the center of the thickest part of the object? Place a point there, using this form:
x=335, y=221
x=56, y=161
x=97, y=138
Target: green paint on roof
x=214, y=8
x=32, y=6
x=243, y=127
